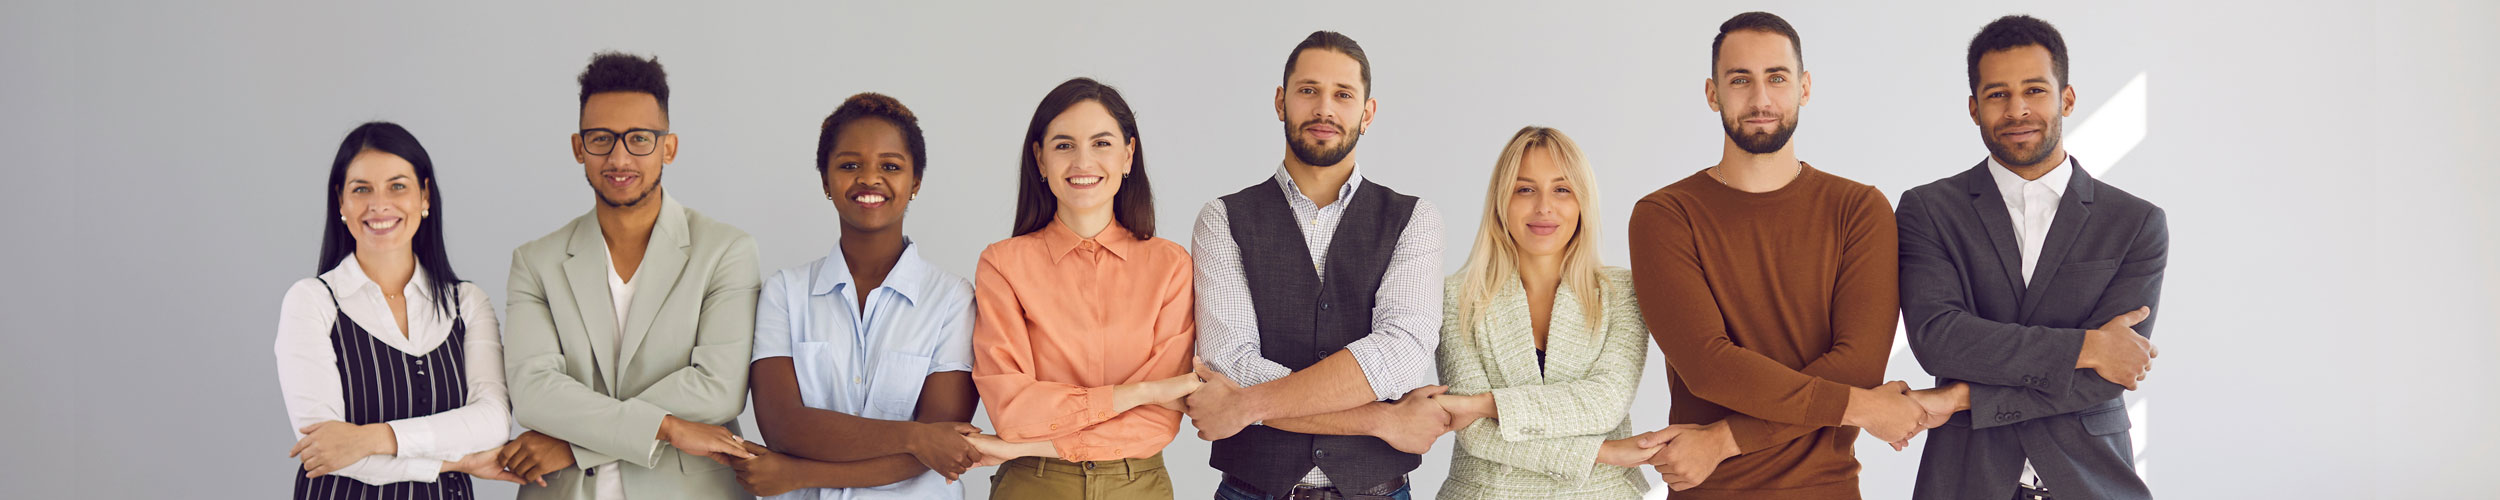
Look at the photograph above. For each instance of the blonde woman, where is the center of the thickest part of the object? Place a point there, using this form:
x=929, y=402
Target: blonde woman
x=1542, y=346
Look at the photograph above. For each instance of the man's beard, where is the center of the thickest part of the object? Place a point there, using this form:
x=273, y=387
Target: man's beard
x=1761, y=143
x=2051, y=133
x=638, y=198
x=1311, y=154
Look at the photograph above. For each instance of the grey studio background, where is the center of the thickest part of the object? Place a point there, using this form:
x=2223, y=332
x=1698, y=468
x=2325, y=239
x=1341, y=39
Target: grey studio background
x=2327, y=323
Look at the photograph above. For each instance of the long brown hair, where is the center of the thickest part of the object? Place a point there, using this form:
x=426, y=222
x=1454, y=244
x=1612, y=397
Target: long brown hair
x=1133, y=207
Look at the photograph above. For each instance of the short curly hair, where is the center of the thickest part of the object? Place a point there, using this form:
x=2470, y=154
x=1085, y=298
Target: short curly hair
x=871, y=105
x=621, y=72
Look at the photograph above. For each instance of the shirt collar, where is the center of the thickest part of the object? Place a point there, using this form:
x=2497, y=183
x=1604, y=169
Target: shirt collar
x=905, y=279
x=1345, y=193
x=348, y=279
x=2011, y=185
x=1063, y=242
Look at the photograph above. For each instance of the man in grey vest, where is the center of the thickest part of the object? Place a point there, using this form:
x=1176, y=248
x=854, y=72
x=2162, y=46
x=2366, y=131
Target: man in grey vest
x=2028, y=289
x=1320, y=293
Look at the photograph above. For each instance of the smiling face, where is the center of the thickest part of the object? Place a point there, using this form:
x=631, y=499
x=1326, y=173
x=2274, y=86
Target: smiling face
x=1324, y=107
x=1082, y=156
x=869, y=175
x=1544, y=209
x=382, y=202
x=1757, y=87
x=621, y=178
x=2020, y=106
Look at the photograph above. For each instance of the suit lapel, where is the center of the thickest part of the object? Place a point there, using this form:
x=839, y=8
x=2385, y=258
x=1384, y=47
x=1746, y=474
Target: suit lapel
x=586, y=270
x=1569, y=344
x=1989, y=205
x=2074, y=210
x=662, y=262
x=1503, y=328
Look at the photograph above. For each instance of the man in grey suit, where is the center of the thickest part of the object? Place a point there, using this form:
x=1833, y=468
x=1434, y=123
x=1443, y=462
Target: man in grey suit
x=2028, y=287
x=628, y=332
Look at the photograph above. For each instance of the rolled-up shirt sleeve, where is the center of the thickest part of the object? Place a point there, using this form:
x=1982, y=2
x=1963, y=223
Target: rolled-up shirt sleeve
x=1406, y=311
x=1228, y=324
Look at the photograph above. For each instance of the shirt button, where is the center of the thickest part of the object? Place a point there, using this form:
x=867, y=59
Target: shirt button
x=1054, y=427
x=859, y=380
x=1319, y=453
x=592, y=472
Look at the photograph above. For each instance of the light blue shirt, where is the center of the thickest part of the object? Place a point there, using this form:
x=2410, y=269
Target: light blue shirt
x=868, y=362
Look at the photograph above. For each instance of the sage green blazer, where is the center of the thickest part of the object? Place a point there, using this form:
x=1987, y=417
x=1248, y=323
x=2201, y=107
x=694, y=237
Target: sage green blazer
x=687, y=338
x=1545, y=443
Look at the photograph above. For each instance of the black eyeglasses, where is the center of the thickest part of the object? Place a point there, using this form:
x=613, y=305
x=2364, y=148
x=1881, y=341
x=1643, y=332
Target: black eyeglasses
x=640, y=142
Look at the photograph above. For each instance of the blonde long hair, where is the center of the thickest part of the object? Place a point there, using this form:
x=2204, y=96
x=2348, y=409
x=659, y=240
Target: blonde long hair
x=1495, y=256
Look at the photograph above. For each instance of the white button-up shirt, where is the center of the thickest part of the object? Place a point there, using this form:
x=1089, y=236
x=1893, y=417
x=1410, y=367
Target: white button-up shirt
x=2033, y=203
x=308, y=373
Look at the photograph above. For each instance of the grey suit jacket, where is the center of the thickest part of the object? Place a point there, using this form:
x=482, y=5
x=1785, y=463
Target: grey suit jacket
x=688, y=334
x=1971, y=318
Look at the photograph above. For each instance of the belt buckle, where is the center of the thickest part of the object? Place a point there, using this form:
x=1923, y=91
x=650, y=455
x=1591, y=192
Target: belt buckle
x=2030, y=492
x=1310, y=492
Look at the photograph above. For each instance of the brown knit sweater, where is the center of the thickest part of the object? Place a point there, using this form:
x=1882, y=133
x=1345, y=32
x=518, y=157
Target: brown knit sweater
x=1769, y=307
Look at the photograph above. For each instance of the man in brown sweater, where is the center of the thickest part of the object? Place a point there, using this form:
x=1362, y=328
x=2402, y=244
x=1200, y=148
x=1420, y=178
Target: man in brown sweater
x=1771, y=287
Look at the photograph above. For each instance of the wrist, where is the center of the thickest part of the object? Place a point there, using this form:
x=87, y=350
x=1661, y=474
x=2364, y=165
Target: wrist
x=1961, y=396
x=1724, y=436
x=2084, y=359
x=668, y=427
x=1854, y=414
x=383, y=440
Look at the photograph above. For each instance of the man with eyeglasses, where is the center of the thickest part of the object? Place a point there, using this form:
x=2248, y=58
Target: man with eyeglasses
x=628, y=332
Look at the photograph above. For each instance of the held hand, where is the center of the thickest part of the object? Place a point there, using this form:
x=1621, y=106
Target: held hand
x=1687, y=453
x=767, y=474
x=1626, y=452
x=1466, y=410
x=993, y=450
x=332, y=445
x=1414, y=421
x=1886, y=412
x=1217, y=406
x=941, y=447
x=482, y=465
x=1176, y=391
x=706, y=440
x=533, y=455
x=1936, y=405
x=2117, y=352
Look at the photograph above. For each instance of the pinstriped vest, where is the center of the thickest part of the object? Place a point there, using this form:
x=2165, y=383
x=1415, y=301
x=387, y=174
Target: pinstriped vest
x=380, y=384
x=1302, y=320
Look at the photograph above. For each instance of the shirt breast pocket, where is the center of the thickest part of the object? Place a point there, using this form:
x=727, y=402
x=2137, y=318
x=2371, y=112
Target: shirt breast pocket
x=819, y=369
x=895, y=389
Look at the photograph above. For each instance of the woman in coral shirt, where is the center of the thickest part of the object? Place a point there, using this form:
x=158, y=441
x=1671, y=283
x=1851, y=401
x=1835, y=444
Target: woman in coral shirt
x=1081, y=349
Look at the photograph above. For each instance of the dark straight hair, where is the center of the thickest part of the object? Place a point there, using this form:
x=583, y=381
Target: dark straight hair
x=1133, y=207
x=336, y=243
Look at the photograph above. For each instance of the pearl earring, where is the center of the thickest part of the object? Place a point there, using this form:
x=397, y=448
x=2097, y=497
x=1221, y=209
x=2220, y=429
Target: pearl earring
x=424, y=214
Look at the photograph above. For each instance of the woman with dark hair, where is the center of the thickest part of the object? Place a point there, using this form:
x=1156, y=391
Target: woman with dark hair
x=392, y=367
x=862, y=362
x=1082, y=347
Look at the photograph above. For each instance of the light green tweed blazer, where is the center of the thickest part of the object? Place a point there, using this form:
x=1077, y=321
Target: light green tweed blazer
x=1545, y=443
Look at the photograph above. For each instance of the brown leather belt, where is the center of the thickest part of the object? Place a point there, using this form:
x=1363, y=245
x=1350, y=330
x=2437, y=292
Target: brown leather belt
x=1309, y=492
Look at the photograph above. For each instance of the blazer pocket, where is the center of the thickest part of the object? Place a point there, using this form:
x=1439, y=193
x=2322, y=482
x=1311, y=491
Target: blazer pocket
x=2105, y=421
x=691, y=464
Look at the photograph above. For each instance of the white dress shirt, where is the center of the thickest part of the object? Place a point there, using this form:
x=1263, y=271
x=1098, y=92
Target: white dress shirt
x=1406, y=311
x=308, y=375
x=610, y=484
x=2033, y=203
